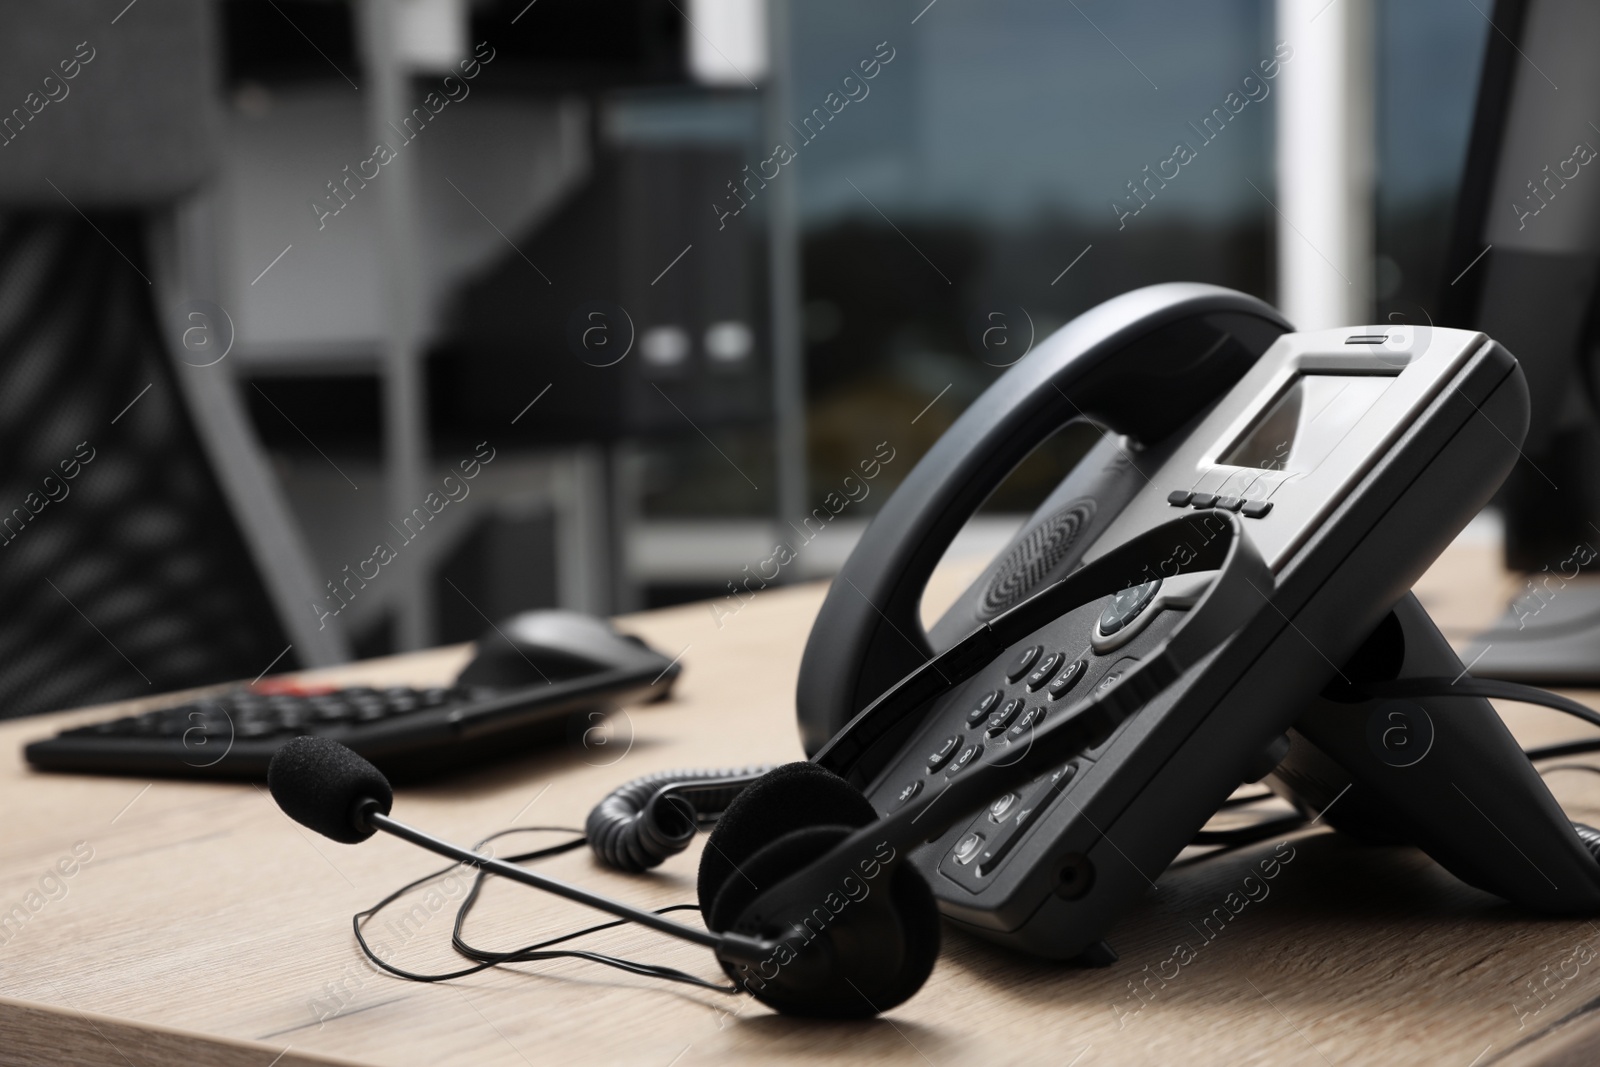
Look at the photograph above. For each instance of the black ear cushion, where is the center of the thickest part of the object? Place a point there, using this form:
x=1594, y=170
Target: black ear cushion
x=914, y=908
x=787, y=798
x=919, y=916
x=768, y=866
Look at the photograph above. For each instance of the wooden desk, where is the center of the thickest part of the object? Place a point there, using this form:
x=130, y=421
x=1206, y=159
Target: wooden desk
x=209, y=929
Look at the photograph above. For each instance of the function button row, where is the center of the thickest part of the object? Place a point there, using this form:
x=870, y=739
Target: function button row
x=1252, y=509
x=1016, y=817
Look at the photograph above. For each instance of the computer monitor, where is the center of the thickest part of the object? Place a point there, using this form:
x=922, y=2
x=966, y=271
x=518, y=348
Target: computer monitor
x=1525, y=263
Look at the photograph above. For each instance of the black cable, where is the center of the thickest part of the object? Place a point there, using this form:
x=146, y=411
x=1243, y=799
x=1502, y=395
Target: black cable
x=1565, y=748
x=1495, y=689
x=487, y=960
x=1462, y=686
x=641, y=823
x=1249, y=835
x=1569, y=767
x=488, y=957
x=1256, y=831
x=1491, y=688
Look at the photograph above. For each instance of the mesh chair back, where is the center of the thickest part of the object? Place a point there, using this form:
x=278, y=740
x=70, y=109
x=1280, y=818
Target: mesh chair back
x=123, y=572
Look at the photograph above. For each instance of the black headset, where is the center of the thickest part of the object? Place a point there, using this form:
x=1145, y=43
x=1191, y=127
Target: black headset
x=806, y=895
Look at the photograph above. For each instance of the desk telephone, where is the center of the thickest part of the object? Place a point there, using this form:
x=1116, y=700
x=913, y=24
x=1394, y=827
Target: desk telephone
x=1350, y=458
x=1217, y=594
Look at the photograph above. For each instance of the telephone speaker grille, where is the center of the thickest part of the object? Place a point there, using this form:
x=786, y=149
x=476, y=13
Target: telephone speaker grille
x=1039, y=552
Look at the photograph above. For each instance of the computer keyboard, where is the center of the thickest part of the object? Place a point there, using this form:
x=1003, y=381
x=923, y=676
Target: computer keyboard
x=403, y=730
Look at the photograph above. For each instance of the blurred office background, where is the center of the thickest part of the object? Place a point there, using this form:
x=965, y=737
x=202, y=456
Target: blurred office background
x=551, y=261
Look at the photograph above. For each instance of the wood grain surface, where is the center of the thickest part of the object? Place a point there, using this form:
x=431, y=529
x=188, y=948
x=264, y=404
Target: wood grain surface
x=206, y=928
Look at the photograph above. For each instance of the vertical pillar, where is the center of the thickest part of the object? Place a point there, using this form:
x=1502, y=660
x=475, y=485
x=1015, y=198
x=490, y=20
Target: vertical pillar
x=783, y=252
x=405, y=445
x=1326, y=163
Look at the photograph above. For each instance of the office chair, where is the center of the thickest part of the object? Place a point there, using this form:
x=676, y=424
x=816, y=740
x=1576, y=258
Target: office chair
x=143, y=544
x=123, y=571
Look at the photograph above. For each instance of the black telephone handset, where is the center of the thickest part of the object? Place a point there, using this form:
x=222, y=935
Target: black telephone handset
x=1142, y=364
x=1351, y=458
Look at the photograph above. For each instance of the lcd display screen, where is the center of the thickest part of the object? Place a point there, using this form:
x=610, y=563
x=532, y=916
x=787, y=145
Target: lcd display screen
x=1306, y=422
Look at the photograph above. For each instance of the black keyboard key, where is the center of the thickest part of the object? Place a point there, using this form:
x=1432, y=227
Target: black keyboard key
x=1030, y=718
x=1023, y=662
x=941, y=755
x=968, y=757
x=1045, y=670
x=294, y=718
x=980, y=711
x=1067, y=680
x=1004, y=717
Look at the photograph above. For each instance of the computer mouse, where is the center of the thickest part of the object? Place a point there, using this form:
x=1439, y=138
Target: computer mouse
x=550, y=646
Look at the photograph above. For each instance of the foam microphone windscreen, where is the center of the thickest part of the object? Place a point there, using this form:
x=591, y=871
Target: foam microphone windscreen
x=318, y=782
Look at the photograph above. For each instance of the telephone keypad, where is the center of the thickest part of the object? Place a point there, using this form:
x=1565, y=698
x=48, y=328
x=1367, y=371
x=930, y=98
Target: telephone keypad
x=1032, y=681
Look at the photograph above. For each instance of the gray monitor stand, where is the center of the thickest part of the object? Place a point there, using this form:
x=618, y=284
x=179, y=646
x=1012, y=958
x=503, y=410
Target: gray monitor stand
x=1550, y=635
